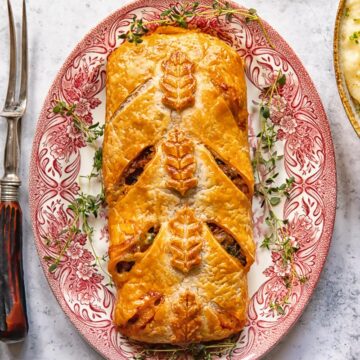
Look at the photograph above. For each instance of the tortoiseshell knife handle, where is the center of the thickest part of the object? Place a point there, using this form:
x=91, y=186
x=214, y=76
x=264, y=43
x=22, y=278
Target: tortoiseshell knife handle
x=13, y=317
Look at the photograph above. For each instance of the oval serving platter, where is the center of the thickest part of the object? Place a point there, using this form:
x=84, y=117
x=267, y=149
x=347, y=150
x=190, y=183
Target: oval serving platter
x=60, y=157
x=351, y=107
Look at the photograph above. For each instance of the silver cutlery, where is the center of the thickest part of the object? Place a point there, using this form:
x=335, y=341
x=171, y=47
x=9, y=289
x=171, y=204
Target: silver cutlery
x=13, y=316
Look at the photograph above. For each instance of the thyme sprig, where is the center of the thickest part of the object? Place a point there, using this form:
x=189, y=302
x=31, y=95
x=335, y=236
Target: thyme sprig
x=197, y=351
x=271, y=193
x=85, y=206
x=71, y=231
x=136, y=31
x=90, y=132
x=183, y=13
x=96, y=171
x=179, y=15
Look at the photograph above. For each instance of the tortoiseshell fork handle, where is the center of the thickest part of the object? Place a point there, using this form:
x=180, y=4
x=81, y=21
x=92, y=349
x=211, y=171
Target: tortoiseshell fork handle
x=13, y=317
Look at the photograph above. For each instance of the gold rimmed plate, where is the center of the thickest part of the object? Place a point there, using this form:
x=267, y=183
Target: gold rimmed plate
x=350, y=104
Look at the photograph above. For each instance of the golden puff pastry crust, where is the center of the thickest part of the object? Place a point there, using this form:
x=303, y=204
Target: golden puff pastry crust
x=179, y=184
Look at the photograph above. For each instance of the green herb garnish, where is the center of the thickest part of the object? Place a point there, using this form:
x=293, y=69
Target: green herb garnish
x=197, y=351
x=137, y=30
x=179, y=15
x=84, y=206
x=91, y=132
x=97, y=165
x=182, y=14
x=355, y=37
x=271, y=193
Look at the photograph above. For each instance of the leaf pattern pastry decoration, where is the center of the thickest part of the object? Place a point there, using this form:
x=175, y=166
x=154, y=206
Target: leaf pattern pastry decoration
x=186, y=245
x=178, y=82
x=187, y=319
x=180, y=161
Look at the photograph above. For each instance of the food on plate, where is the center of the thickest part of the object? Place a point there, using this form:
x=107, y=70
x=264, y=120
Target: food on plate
x=179, y=186
x=350, y=44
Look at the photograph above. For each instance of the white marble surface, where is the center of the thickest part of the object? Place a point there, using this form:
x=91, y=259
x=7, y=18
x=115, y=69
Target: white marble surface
x=328, y=328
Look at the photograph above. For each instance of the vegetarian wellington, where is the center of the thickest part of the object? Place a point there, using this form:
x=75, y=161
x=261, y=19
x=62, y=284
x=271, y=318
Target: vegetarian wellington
x=179, y=185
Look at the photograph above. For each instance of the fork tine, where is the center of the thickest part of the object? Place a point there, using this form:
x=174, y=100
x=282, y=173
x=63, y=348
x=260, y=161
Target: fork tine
x=10, y=96
x=24, y=60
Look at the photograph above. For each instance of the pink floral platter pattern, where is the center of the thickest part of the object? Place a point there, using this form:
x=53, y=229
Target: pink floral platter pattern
x=59, y=155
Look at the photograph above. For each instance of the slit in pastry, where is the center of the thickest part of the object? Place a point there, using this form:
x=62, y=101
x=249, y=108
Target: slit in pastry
x=124, y=266
x=142, y=244
x=145, y=312
x=228, y=242
x=232, y=174
x=135, y=168
x=134, y=94
x=148, y=238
